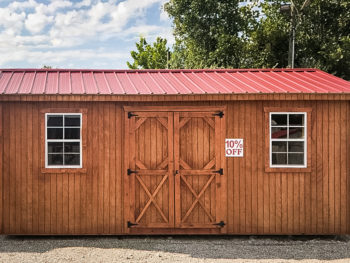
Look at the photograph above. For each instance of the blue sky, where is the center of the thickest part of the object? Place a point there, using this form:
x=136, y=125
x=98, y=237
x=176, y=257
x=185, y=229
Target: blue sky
x=77, y=34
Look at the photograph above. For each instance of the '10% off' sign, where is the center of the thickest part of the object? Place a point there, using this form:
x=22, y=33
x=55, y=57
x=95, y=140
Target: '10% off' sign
x=234, y=147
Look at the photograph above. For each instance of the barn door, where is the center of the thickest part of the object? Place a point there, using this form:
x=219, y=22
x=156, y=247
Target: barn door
x=150, y=171
x=198, y=168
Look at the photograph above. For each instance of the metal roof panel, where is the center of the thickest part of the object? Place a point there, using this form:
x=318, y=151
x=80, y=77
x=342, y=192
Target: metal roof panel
x=52, y=83
x=164, y=81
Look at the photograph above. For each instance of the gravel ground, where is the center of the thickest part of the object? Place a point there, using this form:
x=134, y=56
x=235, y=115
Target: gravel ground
x=175, y=249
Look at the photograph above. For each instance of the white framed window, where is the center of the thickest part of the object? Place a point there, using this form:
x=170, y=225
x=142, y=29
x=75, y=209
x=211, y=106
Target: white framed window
x=288, y=139
x=63, y=140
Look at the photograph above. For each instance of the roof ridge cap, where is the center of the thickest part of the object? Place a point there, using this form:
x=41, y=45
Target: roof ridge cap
x=160, y=70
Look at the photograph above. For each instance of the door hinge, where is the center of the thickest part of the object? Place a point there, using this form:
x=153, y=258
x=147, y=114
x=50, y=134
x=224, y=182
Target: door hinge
x=220, y=171
x=131, y=224
x=129, y=172
x=220, y=114
x=130, y=114
x=220, y=224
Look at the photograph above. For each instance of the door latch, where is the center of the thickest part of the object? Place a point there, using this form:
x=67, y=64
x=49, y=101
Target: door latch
x=220, y=114
x=220, y=224
x=130, y=114
x=176, y=172
x=220, y=171
x=129, y=171
x=131, y=224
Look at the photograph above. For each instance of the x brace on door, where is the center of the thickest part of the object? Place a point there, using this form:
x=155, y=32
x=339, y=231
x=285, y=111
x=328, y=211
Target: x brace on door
x=150, y=172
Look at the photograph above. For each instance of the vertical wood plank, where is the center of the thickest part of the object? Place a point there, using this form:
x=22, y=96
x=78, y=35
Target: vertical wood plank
x=337, y=166
x=236, y=171
x=242, y=181
x=132, y=166
x=348, y=167
x=101, y=160
x=200, y=180
x=18, y=174
x=95, y=167
x=6, y=169
x=325, y=155
x=319, y=165
x=127, y=194
x=23, y=171
x=343, y=171
x=248, y=167
x=46, y=184
x=105, y=173
x=112, y=168
x=36, y=166
x=331, y=168
x=230, y=171
x=266, y=196
x=218, y=179
x=12, y=179
x=1, y=172
x=223, y=162
x=41, y=179
x=120, y=155
x=254, y=165
x=171, y=186
x=177, y=168
x=89, y=176
x=71, y=202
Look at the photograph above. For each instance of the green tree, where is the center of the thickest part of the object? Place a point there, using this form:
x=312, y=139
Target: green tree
x=226, y=33
x=268, y=39
x=322, y=36
x=209, y=33
x=150, y=56
x=255, y=34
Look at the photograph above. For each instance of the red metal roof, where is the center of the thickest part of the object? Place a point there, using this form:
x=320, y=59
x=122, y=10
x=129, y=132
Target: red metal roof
x=199, y=81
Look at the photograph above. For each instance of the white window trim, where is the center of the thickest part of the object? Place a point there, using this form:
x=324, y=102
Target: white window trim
x=63, y=140
x=285, y=139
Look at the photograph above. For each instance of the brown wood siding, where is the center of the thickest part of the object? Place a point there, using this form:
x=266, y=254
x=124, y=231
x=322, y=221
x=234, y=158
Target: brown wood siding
x=316, y=202
x=62, y=203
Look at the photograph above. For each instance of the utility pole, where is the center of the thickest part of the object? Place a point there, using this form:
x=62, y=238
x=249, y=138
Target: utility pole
x=292, y=11
x=291, y=51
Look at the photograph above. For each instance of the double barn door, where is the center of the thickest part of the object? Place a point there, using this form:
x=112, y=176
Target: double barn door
x=174, y=169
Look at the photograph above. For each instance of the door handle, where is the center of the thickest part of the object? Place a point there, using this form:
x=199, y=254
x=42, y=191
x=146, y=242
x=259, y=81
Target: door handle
x=129, y=172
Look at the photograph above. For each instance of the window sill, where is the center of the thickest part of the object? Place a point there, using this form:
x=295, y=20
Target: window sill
x=287, y=170
x=63, y=170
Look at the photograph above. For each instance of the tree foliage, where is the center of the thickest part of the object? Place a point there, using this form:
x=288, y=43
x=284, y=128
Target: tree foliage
x=322, y=36
x=254, y=34
x=208, y=32
x=150, y=56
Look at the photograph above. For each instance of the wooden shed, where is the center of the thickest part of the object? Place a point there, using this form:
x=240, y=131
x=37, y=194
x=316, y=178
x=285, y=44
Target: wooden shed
x=115, y=152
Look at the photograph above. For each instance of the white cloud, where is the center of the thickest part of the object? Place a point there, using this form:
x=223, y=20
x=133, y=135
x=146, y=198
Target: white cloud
x=163, y=15
x=58, y=4
x=102, y=21
x=36, y=22
x=83, y=3
x=40, y=58
x=30, y=4
x=60, y=25
x=11, y=22
x=16, y=41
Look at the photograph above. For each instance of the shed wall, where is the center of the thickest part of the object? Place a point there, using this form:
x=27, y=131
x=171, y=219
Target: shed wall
x=258, y=202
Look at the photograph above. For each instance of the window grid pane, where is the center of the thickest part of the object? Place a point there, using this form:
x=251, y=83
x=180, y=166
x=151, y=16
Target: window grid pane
x=287, y=141
x=70, y=154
